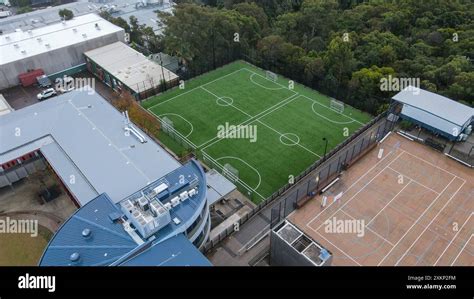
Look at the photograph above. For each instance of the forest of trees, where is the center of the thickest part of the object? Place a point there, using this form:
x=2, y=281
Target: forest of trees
x=339, y=47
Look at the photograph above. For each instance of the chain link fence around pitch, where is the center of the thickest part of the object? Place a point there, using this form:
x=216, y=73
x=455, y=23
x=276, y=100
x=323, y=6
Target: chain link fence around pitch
x=317, y=176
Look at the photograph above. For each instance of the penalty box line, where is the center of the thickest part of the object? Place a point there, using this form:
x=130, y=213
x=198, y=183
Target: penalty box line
x=197, y=87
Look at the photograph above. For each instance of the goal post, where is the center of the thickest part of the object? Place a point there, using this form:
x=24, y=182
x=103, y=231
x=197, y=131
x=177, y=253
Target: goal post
x=230, y=172
x=337, y=106
x=167, y=124
x=271, y=76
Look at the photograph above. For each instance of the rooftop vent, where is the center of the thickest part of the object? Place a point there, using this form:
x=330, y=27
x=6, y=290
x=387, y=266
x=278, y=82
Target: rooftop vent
x=7, y=37
x=97, y=26
x=74, y=30
x=47, y=45
x=84, y=35
x=75, y=257
x=86, y=233
x=16, y=46
x=23, y=51
x=30, y=32
x=39, y=39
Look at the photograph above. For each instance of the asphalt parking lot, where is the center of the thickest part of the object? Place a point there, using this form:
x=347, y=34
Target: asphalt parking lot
x=19, y=97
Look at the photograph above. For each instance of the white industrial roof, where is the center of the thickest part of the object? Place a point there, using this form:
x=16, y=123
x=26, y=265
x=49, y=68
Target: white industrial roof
x=435, y=106
x=130, y=66
x=82, y=135
x=21, y=44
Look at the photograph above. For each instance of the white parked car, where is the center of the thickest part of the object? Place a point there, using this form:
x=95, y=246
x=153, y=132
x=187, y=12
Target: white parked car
x=46, y=94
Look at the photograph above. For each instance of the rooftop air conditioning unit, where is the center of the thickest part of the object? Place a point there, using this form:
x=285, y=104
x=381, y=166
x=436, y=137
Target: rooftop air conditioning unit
x=184, y=195
x=167, y=206
x=160, y=188
x=192, y=192
x=175, y=201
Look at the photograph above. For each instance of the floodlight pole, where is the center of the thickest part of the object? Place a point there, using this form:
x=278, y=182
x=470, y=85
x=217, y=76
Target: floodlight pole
x=325, y=148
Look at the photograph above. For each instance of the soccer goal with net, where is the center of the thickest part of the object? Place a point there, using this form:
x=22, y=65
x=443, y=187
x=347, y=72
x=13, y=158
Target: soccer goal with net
x=230, y=172
x=337, y=106
x=271, y=76
x=167, y=125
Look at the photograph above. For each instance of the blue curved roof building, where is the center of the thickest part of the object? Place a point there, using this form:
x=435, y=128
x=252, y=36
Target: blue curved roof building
x=132, y=233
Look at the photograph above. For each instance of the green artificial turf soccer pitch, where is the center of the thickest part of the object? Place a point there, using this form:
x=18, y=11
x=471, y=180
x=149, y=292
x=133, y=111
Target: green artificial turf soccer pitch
x=290, y=123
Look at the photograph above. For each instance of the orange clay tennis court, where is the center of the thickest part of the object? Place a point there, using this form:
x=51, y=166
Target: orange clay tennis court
x=415, y=204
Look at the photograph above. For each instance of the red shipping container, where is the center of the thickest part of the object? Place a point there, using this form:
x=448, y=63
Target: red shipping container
x=29, y=78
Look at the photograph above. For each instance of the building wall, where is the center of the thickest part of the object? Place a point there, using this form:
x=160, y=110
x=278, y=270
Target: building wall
x=282, y=254
x=54, y=61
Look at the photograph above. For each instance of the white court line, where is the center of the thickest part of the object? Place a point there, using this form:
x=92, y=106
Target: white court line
x=180, y=116
x=265, y=112
x=455, y=236
x=442, y=169
x=186, y=92
x=360, y=190
x=414, y=181
x=339, y=249
x=374, y=232
x=432, y=220
x=260, y=85
x=372, y=168
x=298, y=144
x=462, y=249
x=416, y=221
x=314, y=101
x=245, y=162
x=388, y=203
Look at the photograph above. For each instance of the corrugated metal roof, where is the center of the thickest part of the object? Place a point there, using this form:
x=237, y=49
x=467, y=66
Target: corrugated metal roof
x=175, y=251
x=218, y=186
x=130, y=66
x=436, y=105
x=90, y=133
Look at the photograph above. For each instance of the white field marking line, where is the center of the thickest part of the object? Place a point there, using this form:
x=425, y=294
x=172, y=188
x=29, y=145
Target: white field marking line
x=178, y=115
x=416, y=222
x=350, y=187
x=435, y=166
x=260, y=85
x=245, y=162
x=462, y=249
x=186, y=92
x=415, y=181
x=129, y=161
x=281, y=134
x=249, y=115
x=254, y=118
x=314, y=101
x=374, y=232
x=176, y=132
x=288, y=138
x=238, y=179
x=360, y=190
x=283, y=86
x=338, y=248
x=406, y=185
x=431, y=222
x=330, y=120
x=455, y=236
